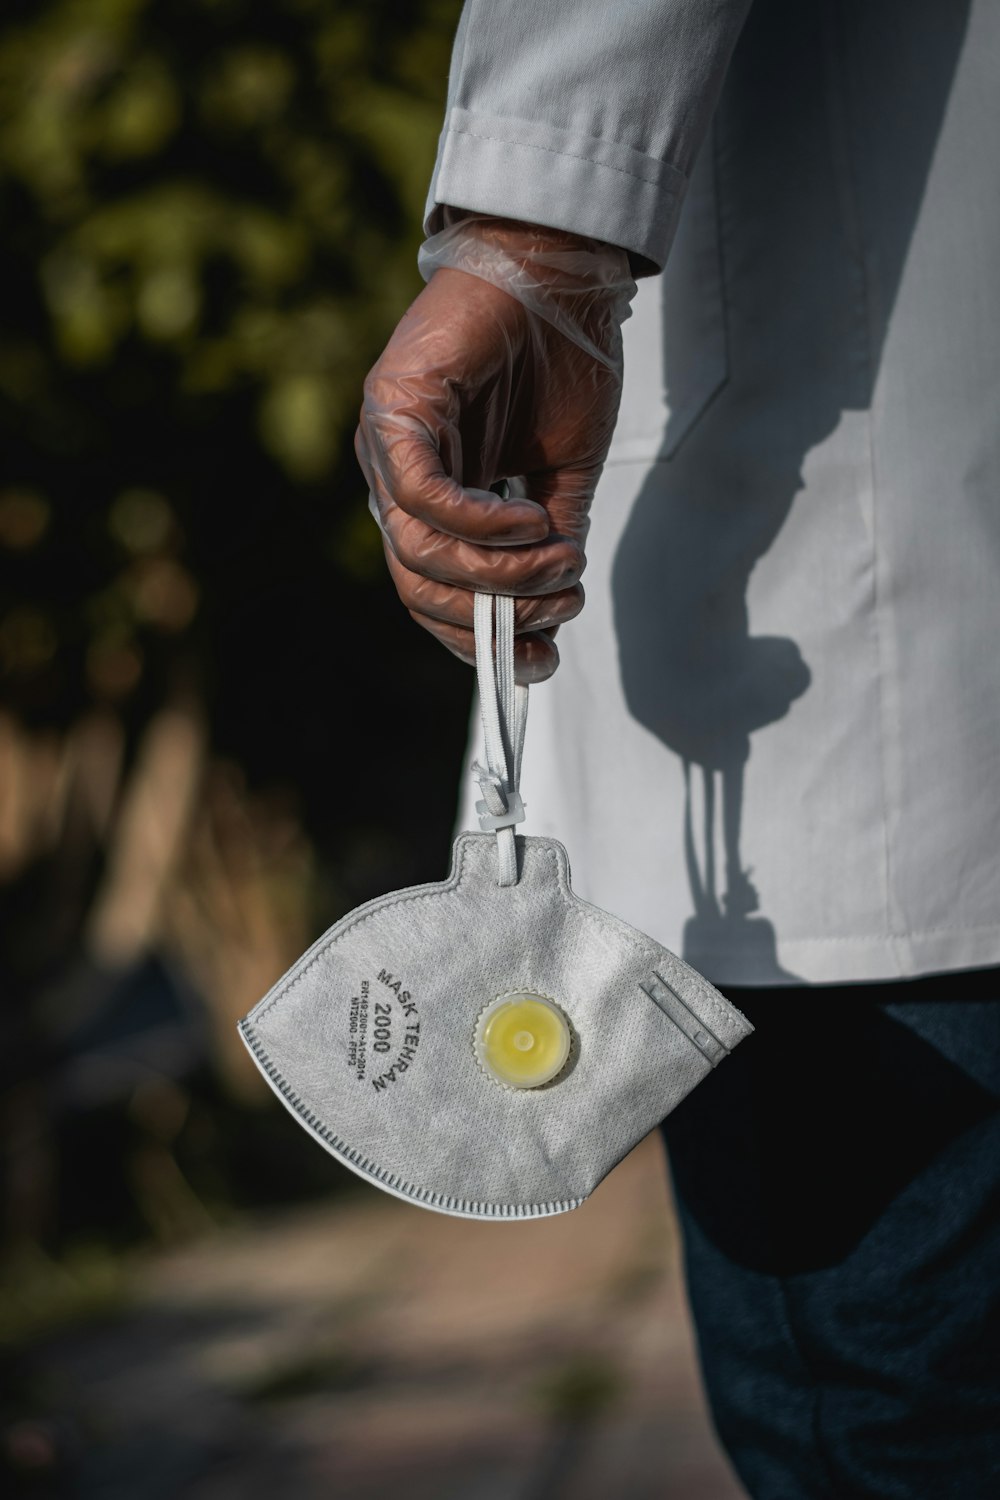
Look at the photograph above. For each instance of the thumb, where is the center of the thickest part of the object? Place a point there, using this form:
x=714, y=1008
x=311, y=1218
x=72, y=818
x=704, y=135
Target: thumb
x=410, y=473
x=419, y=484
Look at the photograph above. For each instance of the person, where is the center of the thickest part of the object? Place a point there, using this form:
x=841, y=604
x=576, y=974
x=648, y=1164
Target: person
x=788, y=653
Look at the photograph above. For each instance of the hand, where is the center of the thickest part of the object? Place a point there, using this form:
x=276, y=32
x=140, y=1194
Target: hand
x=479, y=384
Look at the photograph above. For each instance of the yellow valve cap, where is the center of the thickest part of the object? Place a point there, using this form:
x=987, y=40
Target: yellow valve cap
x=523, y=1040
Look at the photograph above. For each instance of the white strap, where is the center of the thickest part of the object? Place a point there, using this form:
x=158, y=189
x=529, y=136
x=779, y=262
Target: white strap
x=504, y=706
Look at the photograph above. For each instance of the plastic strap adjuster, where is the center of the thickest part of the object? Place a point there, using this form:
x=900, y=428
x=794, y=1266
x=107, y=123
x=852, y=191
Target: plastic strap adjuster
x=490, y=822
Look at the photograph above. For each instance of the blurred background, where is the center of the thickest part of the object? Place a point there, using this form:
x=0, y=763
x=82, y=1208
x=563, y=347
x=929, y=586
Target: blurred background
x=210, y=216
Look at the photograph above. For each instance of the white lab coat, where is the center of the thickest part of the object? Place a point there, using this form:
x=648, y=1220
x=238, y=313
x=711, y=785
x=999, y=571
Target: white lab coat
x=773, y=741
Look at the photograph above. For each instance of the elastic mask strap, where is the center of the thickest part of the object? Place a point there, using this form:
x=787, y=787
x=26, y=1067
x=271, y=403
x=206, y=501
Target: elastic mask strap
x=504, y=706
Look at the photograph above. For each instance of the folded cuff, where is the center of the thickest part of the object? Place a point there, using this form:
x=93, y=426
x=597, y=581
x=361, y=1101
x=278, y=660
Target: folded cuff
x=523, y=170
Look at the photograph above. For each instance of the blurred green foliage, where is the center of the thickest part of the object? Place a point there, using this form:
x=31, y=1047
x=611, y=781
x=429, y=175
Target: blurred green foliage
x=226, y=181
x=211, y=211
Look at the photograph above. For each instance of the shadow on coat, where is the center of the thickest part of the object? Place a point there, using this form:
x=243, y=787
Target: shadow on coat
x=776, y=302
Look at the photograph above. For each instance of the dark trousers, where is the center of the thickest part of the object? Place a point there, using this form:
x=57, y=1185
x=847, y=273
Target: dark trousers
x=837, y=1184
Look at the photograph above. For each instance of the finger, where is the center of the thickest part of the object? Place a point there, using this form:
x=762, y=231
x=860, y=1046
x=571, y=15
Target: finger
x=455, y=606
x=412, y=469
x=413, y=472
x=536, y=656
x=566, y=495
x=467, y=513
x=542, y=568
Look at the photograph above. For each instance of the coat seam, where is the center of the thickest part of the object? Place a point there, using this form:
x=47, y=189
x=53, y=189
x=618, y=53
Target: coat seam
x=875, y=937
x=502, y=140
x=841, y=142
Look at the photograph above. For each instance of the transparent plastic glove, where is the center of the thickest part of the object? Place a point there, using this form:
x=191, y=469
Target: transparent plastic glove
x=507, y=366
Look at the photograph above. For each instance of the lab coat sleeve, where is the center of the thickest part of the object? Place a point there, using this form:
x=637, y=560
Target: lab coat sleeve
x=583, y=115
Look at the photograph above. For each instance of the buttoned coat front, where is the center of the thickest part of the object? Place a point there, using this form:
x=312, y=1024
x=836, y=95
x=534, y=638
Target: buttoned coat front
x=773, y=741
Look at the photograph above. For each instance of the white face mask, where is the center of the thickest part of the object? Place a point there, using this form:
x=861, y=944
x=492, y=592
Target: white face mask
x=491, y=1045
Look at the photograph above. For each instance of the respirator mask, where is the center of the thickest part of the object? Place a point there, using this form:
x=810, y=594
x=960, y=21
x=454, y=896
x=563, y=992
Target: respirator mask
x=490, y=1045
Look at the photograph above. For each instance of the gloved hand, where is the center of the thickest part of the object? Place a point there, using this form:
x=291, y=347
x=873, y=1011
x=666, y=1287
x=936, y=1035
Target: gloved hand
x=507, y=366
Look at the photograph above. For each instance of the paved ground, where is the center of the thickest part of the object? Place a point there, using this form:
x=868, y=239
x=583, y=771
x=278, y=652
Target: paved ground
x=367, y=1347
